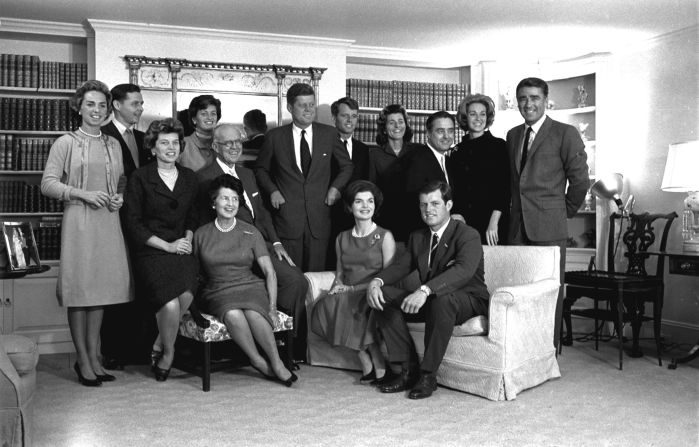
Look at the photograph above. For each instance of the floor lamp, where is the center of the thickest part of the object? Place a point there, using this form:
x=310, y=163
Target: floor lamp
x=681, y=176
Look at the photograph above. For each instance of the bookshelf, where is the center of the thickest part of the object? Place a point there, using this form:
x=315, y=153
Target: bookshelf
x=420, y=100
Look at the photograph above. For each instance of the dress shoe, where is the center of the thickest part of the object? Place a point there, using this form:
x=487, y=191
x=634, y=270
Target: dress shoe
x=369, y=377
x=84, y=381
x=424, y=388
x=105, y=377
x=405, y=381
x=290, y=381
x=160, y=373
x=387, y=377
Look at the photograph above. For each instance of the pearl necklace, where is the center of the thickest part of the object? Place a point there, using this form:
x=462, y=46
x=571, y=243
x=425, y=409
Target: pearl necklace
x=89, y=134
x=168, y=173
x=224, y=230
x=371, y=230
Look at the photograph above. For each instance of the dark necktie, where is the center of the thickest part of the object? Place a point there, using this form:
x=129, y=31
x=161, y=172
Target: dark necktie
x=433, y=246
x=305, y=154
x=347, y=149
x=131, y=143
x=525, y=149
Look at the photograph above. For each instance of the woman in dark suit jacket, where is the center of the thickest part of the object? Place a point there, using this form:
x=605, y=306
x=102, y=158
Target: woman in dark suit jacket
x=481, y=182
x=160, y=220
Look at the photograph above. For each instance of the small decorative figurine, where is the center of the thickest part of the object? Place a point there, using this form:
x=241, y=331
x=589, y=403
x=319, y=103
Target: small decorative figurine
x=582, y=96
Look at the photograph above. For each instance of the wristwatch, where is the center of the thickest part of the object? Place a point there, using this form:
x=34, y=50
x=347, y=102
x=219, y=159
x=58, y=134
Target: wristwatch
x=426, y=290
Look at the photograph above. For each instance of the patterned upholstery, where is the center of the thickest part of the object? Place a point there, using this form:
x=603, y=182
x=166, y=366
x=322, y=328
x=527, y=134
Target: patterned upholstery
x=217, y=330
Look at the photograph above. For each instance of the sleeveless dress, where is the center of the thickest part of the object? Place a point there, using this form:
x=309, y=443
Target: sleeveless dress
x=226, y=261
x=342, y=319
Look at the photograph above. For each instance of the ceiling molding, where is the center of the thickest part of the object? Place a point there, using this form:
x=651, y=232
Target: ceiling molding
x=25, y=26
x=126, y=27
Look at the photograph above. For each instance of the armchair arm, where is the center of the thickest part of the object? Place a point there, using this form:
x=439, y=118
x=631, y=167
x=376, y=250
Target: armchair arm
x=524, y=314
x=9, y=380
x=319, y=284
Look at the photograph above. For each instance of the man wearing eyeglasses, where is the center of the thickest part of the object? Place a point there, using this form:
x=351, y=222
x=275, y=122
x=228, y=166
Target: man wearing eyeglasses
x=291, y=284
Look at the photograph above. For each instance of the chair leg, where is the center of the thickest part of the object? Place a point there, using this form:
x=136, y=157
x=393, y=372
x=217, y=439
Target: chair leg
x=568, y=340
x=657, y=312
x=596, y=326
x=206, y=373
x=636, y=321
x=620, y=327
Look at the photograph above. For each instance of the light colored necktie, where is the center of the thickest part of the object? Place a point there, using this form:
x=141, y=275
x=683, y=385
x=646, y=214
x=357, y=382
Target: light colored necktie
x=443, y=166
x=131, y=143
x=433, y=246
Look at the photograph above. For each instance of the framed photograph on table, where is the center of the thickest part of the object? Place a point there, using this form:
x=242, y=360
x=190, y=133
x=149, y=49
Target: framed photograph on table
x=20, y=247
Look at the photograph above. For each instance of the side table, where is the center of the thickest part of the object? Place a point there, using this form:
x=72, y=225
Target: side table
x=682, y=263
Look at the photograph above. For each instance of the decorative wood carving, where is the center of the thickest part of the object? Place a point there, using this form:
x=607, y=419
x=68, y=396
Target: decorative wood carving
x=182, y=75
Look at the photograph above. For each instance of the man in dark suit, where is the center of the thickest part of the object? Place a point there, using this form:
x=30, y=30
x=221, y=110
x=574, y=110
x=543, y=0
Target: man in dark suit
x=127, y=329
x=544, y=156
x=448, y=257
x=429, y=162
x=294, y=170
x=291, y=284
x=127, y=104
x=345, y=113
x=255, y=126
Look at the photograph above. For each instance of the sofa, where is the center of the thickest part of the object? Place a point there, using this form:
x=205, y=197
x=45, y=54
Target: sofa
x=18, y=358
x=495, y=357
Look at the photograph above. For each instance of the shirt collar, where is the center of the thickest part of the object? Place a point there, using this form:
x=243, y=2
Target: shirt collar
x=440, y=232
x=537, y=125
x=227, y=169
x=436, y=153
x=297, y=130
x=120, y=127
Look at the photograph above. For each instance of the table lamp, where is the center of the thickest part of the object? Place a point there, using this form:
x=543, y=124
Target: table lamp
x=610, y=187
x=681, y=176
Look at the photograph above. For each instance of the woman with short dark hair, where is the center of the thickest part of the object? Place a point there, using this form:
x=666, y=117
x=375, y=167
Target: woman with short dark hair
x=205, y=112
x=160, y=219
x=342, y=317
x=84, y=170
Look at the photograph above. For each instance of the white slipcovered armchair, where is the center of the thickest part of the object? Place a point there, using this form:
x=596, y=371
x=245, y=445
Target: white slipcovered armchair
x=495, y=359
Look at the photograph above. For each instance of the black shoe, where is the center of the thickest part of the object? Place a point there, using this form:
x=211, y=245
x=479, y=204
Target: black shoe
x=105, y=377
x=424, y=388
x=387, y=377
x=369, y=377
x=290, y=381
x=83, y=381
x=160, y=373
x=405, y=381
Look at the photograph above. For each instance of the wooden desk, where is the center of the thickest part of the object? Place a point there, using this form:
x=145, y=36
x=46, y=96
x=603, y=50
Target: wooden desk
x=682, y=263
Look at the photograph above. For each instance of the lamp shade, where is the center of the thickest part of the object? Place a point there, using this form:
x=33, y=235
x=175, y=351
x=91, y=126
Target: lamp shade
x=609, y=187
x=682, y=168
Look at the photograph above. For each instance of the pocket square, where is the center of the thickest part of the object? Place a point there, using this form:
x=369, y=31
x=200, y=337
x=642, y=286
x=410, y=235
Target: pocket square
x=450, y=263
x=255, y=193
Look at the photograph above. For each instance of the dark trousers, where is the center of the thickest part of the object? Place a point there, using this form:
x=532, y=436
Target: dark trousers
x=521, y=238
x=308, y=252
x=440, y=314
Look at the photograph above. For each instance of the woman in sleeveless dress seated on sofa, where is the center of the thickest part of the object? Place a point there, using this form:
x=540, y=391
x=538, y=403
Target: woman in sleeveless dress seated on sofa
x=342, y=317
x=226, y=249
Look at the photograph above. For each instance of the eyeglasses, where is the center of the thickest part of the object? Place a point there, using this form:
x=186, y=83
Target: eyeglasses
x=235, y=144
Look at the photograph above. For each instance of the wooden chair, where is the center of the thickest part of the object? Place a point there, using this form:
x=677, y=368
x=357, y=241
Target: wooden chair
x=626, y=293
x=204, y=329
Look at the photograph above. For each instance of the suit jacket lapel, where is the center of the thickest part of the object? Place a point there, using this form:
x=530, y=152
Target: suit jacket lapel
x=514, y=148
x=423, y=248
x=292, y=150
x=539, y=138
x=317, y=153
x=442, y=246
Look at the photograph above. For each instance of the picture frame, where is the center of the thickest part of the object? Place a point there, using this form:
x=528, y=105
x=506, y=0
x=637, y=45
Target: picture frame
x=19, y=246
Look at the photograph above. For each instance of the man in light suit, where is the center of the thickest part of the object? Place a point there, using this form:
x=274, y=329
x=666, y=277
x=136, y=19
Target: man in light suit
x=291, y=284
x=544, y=156
x=294, y=170
x=448, y=257
x=127, y=104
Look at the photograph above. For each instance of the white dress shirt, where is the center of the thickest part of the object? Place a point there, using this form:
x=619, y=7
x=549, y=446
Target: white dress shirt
x=231, y=170
x=296, y=131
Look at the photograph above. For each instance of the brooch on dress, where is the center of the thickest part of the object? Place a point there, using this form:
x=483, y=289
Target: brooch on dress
x=375, y=239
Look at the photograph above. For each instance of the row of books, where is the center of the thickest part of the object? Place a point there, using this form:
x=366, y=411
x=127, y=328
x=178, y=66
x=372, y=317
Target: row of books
x=411, y=95
x=37, y=114
x=24, y=153
x=24, y=70
x=366, y=128
x=48, y=238
x=17, y=196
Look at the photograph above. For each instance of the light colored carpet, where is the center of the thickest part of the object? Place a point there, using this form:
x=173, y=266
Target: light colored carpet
x=593, y=404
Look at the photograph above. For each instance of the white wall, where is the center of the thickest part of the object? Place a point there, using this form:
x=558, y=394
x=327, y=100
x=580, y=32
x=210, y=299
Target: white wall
x=393, y=73
x=205, y=45
x=52, y=49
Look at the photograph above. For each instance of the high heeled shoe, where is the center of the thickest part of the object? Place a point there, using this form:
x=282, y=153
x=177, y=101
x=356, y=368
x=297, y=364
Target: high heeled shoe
x=160, y=373
x=105, y=377
x=290, y=381
x=83, y=380
x=155, y=357
x=368, y=377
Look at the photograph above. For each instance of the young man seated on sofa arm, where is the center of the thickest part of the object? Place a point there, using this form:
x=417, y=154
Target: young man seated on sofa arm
x=449, y=259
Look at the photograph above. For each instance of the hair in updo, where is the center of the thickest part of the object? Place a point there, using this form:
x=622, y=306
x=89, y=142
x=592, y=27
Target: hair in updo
x=358, y=186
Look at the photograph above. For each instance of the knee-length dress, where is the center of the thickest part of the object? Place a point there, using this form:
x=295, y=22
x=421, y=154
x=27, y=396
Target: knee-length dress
x=226, y=260
x=94, y=264
x=152, y=209
x=342, y=319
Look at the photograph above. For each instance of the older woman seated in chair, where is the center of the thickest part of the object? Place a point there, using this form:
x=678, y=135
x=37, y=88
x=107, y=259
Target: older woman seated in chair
x=226, y=249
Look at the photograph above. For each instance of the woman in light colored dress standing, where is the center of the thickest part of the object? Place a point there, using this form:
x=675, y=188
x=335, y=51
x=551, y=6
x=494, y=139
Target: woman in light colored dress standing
x=83, y=170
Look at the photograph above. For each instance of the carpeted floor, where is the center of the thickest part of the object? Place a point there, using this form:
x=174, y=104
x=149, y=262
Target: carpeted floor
x=593, y=404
